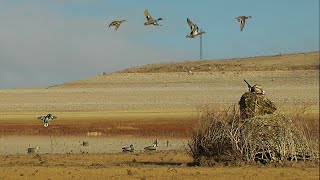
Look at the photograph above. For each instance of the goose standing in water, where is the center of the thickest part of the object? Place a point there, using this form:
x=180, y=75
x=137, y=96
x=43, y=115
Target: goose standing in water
x=128, y=149
x=116, y=24
x=194, y=30
x=150, y=20
x=242, y=21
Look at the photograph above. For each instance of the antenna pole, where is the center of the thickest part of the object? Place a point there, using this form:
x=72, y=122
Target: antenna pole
x=201, y=53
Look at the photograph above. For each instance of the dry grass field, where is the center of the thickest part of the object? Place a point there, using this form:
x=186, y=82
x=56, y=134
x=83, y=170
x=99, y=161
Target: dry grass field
x=156, y=101
x=300, y=61
x=160, y=165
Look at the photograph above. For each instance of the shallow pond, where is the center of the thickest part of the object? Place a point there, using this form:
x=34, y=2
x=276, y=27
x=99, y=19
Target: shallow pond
x=74, y=144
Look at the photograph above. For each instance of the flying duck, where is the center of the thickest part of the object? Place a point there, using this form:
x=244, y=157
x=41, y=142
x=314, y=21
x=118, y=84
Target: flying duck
x=242, y=20
x=150, y=20
x=116, y=24
x=46, y=119
x=194, y=30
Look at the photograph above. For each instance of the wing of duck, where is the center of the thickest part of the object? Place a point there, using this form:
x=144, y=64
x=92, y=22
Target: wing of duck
x=146, y=13
x=193, y=27
x=190, y=23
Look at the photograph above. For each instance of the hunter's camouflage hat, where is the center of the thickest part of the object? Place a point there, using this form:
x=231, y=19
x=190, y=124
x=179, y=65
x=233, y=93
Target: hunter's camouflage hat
x=257, y=89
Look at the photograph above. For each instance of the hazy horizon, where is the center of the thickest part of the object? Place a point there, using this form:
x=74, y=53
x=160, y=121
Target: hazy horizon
x=45, y=43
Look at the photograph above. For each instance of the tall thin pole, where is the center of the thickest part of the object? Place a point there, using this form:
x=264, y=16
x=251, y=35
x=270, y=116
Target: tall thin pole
x=201, y=53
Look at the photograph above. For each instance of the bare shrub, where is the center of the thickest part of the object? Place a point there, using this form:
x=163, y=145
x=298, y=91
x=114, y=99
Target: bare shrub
x=216, y=135
x=221, y=135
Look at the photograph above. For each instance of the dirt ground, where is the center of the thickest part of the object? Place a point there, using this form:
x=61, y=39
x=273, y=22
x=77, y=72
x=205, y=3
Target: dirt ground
x=160, y=165
x=163, y=105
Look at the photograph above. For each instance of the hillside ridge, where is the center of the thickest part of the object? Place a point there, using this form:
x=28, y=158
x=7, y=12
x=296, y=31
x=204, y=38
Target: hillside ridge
x=170, y=71
x=296, y=61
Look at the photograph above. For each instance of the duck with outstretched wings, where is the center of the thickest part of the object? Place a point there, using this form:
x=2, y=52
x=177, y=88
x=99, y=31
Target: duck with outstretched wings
x=194, y=30
x=150, y=20
x=116, y=24
x=46, y=119
x=242, y=21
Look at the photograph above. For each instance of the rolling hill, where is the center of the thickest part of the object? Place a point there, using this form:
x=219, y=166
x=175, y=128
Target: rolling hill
x=298, y=61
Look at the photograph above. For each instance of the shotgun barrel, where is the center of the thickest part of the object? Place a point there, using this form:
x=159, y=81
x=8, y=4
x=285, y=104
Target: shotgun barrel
x=249, y=86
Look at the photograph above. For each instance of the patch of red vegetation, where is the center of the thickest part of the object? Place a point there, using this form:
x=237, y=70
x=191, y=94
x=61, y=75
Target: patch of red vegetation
x=105, y=128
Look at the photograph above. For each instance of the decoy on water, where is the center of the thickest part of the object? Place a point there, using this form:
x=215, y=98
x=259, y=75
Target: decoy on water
x=242, y=21
x=128, y=149
x=32, y=150
x=84, y=143
x=153, y=146
x=150, y=20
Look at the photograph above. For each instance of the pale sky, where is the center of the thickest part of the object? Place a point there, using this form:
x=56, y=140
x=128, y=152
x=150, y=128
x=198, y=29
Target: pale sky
x=49, y=42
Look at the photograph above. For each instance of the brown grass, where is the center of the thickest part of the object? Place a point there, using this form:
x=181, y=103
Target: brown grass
x=299, y=61
x=161, y=165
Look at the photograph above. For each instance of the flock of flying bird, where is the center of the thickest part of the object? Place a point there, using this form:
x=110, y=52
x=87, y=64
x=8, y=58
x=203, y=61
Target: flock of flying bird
x=194, y=28
x=150, y=21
